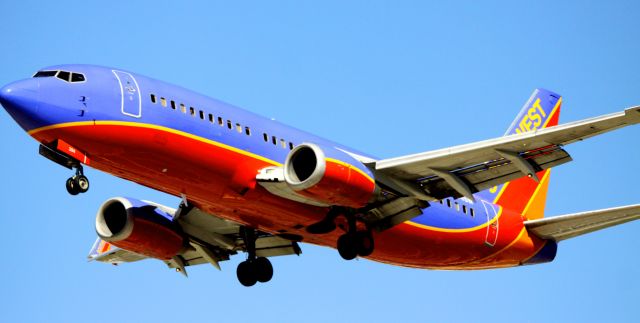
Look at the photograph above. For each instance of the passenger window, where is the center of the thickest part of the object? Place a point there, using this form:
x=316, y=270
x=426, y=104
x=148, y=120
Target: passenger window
x=77, y=77
x=472, y=211
x=173, y=104
x=229, y=124
x=448, y=203
x=283, y=143
x=238, y=128
x=183, y=108
x=192, y=111
x=210, y=117
x=274, y=140
x=220, y=122
x=464, y=209
x=290, y=146
x=153, y=98
x=457, y=207
x=163, y=102
x=247, y=131
x=64, y=75
x=201, y=114
x=266, y=137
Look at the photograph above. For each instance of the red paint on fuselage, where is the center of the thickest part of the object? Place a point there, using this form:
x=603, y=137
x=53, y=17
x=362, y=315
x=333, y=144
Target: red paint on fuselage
x=221, y=181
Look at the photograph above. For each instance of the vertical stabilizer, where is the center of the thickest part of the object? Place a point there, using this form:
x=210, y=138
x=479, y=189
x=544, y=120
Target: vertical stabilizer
x=524, y=195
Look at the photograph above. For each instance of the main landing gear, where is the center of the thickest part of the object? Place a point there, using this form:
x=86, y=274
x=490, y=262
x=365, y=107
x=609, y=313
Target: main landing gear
x=355, y=242
x=77, y=183
x=351, y=244
x=254, y=269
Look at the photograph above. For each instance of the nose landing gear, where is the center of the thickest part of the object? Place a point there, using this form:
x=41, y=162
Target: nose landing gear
x=70, y=157
x=77, y=183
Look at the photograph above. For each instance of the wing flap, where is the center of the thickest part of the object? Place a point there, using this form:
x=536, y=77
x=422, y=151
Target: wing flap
x=572, y=225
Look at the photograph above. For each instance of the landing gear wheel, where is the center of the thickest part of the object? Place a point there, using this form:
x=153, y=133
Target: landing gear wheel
x=246, y=273
x=72, y=188
x=263, y=269
x=347, y=247
x=364, y=241
x=81, y=182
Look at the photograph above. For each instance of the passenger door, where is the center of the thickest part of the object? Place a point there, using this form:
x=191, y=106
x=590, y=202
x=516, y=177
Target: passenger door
x=492, y=227
x=131, y=102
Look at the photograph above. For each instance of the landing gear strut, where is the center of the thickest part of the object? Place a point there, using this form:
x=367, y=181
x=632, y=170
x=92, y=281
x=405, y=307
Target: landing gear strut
x=77, y=183
x=254, y=269
x=355, y=242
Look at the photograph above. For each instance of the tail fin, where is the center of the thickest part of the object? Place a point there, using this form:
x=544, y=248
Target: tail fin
x=524, y=195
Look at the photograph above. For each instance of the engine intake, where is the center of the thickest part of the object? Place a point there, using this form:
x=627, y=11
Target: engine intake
x=335, y=181
x=139, y=227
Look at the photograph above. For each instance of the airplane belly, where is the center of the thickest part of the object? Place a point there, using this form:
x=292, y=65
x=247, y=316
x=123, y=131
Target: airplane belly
x=221, y=180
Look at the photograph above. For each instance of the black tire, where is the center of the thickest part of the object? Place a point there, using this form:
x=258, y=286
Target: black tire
x=365, y=243
x=81, y=183
x=263, y=269
x=246, y=274
x=347, y=248
x=71, y=187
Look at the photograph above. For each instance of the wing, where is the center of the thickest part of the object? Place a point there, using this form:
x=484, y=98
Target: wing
x=572, y=225
x=211, y=240
x=466, y=169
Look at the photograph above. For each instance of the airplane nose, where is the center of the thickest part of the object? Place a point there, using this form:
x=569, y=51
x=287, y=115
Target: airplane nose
x=21, y=100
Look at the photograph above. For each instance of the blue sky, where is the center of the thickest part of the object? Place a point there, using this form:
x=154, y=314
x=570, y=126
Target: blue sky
x=387, y=77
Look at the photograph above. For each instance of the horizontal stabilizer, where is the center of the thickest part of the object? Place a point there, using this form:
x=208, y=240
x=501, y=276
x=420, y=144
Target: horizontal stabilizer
x=572, y=225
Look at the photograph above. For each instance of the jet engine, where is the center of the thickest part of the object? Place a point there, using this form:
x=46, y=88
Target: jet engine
x=336, y=180
x=139, y=227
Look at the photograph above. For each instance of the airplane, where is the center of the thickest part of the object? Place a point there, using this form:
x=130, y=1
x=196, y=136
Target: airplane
x=251, y=184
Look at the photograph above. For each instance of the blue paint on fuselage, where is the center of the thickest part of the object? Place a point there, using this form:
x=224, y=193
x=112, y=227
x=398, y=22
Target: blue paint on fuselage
x=456, y=214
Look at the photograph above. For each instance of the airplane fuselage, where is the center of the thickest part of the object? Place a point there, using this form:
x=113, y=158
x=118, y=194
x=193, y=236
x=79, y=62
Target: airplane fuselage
x=185, y=144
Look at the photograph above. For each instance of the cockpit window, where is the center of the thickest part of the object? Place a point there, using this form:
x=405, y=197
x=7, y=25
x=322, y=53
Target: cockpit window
x=77, y=77
x=64, y=75
x=45, y=74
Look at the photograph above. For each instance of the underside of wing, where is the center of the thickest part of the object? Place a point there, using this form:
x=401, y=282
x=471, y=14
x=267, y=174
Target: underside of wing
x=466, y=169
x=213, y=239
x=572, y=225
x=208, y=239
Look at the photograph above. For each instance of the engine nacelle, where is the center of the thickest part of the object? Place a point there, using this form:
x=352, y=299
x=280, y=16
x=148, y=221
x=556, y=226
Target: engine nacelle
x=336, y=180
x=139, y=227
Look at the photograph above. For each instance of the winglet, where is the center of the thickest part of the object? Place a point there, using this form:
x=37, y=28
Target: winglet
x=99, y=248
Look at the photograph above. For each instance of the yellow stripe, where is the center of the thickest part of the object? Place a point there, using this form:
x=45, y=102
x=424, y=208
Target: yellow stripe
x=156, y=127
x=339, y=162
x=504, y=188
x=553, y=112
x=501, y=250
x=535, y=193
x=484, y=225
x=61, y=125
